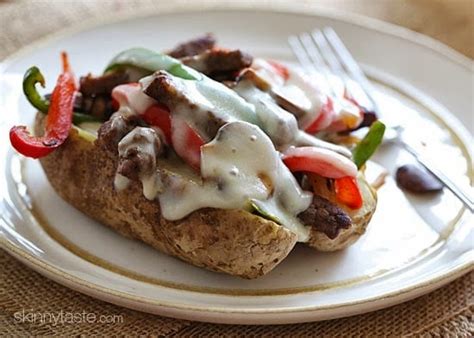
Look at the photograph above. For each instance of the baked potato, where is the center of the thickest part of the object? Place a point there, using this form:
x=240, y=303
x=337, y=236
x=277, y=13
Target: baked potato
x=235, y=242
x=207, y=158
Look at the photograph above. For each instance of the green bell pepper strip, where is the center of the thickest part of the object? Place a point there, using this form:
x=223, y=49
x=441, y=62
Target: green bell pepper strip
x=257, y=207
x=78, y=118
x=151, y=61
x=369, y=144
x=32, y=77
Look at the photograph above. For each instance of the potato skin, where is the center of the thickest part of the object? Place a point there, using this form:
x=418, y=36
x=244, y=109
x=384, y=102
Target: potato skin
x=360, y=217
x=235, y=242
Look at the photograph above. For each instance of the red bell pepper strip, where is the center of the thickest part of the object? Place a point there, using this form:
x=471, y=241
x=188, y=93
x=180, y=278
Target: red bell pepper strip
x=280, y=69
x=186, y=142
x=347, y=192
x=324, y=118
x=58, y=120
x=320, y=161
x=329, y=164
x=178, y=133
x=159, y=115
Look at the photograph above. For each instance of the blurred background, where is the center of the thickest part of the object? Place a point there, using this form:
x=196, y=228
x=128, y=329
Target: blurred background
x=450, y=21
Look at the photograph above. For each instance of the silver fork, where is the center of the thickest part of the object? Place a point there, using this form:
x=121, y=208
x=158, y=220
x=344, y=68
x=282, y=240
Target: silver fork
x=322, y=51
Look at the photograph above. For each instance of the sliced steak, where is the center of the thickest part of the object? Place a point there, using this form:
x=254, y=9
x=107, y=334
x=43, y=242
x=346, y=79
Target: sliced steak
x=178, y=98
x=99, y=106
x=112, y=131
x=220, y=62
x=96, y=90
x=95, y=85
x=194, y=46
x=324, y=216
x=138, y=151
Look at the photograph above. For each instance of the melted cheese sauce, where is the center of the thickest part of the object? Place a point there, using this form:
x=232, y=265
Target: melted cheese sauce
x=297, y=88
x=238, y=167
x=310, y=94
x=279, y=124
x=208, y=99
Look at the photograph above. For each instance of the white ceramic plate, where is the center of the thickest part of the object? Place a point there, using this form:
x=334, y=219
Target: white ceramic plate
x=412, y=246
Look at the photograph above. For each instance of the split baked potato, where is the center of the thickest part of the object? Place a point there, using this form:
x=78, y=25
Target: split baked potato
x=235, y=242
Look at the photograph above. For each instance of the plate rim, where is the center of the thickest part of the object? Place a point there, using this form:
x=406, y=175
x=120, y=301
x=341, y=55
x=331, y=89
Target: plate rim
x=64, y=277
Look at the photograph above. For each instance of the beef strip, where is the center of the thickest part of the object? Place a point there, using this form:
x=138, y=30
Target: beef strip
x=99, y=106
x=96, y=90
x=138, y=151
x=112, y=131
x=262, y=84
x=94, y=85
x=221, y=63
x=325, y=216
x=173, y=95
x=193, y=47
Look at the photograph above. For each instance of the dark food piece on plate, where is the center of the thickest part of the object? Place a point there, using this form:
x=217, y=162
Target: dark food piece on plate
x=193, y=47
x=417, y=180
x=326, y=217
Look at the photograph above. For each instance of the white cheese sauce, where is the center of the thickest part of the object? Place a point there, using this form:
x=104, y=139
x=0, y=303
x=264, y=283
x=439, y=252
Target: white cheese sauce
x=207, y=99
x=239, y=166
x=310, y=94
x=296, y=88
x=279, y=124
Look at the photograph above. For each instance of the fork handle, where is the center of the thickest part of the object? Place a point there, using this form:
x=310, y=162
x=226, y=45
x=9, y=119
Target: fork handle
x=459, y=192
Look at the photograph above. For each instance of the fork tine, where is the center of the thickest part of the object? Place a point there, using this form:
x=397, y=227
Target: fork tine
x=327, y=53
x=312, y=52
x=317, y=60
x=300, y=53
x=350, y=64
x=332, y=59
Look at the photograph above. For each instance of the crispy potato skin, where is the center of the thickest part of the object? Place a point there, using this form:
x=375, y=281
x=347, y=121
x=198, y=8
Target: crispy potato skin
x=230, y=241
x=360, y=217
